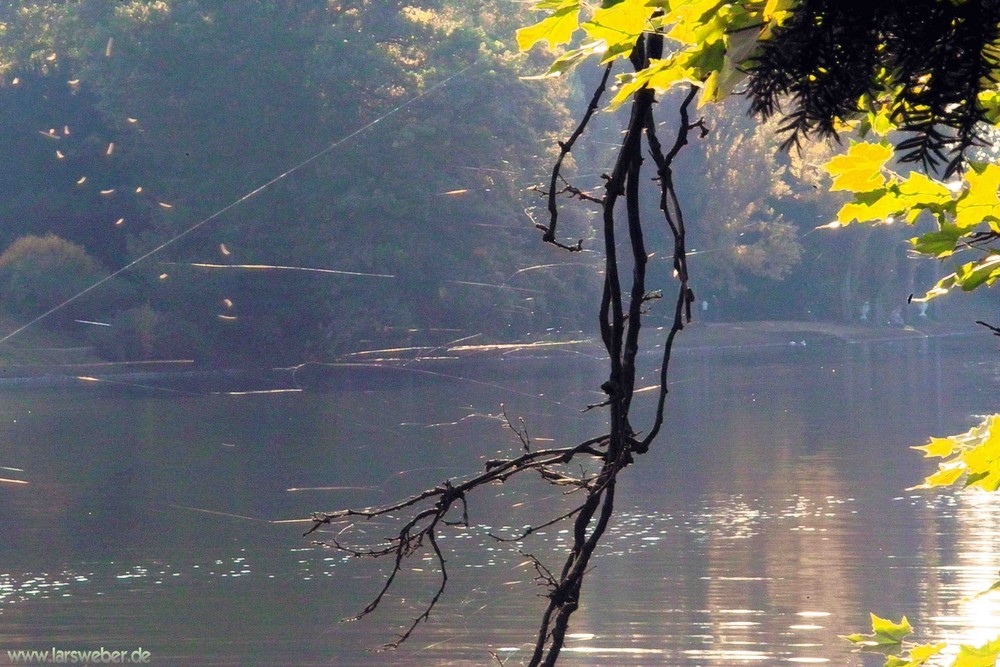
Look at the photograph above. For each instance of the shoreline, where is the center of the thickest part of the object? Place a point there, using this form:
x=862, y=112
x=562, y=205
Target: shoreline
x=697, y=337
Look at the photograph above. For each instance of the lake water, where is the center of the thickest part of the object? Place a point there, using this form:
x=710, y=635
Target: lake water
x=770, y=516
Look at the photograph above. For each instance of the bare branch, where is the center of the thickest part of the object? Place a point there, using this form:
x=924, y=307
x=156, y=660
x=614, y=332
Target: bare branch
x=565, y=147
x=522, y=433
x=620, y=326
x=534, y=529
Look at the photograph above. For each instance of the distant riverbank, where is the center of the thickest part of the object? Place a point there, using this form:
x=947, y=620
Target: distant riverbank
x=48, y=360
x=780, y=332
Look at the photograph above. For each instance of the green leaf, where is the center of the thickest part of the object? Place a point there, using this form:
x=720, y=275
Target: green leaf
x=888, y=632
x=978, y=656
x=556, y=29
x=916, y=656
x=569, y=60
x=884, y=632
x=860, y=169
x=939, y=244
x=972, y=275
x=739, y=46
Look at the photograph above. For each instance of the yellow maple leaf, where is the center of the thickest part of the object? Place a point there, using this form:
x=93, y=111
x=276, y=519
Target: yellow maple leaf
x=938, y=447
x=557, y=28
x=919, y=189
x=945, y=476
x=860, y=168
x=777, y=10
x=619, y=26
x=661, y=75
x=979, y=201
x=867, y=208
x=983, y=463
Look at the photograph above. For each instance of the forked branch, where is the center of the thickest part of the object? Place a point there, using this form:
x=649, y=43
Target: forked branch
x=599, y=460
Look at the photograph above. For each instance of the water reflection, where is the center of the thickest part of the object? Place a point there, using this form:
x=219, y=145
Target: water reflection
x=968, y=530
x=767, y=522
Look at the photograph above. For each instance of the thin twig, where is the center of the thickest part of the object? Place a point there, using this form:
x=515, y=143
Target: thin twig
x=565, y=147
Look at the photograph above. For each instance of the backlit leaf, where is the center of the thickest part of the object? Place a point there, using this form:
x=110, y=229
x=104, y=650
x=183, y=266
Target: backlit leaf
x=661, y=75
x=860, y=169
x=939, y=244
x=619, y=26
x=697, y=21
x=884, y=633
x=917, y=656
x=556, y=29
x=978, y=656
x=778, y=10
x=975, y=453
x=945, y=476
x=938, y=447
x=983, y=463
x=889, y=632
x=872, y=206
x=979, y=201
x=570, y=59
x=972, y=275
x=918, y=189
x=994, y=587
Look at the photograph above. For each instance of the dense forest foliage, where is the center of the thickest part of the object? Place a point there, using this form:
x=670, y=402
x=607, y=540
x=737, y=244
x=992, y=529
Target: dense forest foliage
x=128, y=123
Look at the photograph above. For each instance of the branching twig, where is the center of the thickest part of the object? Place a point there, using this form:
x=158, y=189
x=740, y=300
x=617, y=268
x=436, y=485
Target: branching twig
x=535, y=528
x=620, y=326
x=522, y=433
x=565, y=147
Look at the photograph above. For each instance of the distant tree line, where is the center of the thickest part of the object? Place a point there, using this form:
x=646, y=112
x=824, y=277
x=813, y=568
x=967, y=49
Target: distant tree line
x=128, y=122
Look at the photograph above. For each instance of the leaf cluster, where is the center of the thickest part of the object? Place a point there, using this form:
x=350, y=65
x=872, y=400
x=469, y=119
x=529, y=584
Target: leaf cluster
x=888, y=635
x=707, y=40
x=974, y=454
x=966, y=210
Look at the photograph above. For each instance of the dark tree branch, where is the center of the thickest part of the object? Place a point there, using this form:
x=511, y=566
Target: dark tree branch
x=600, y=459
x=565, y=147
x=674, y=215
x=995, y=330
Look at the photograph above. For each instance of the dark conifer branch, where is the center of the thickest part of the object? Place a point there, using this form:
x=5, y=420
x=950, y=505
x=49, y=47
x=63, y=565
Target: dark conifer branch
x=925, y=60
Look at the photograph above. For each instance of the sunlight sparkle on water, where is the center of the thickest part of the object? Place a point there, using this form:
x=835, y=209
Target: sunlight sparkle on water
x=612, y=650
x=721, y=655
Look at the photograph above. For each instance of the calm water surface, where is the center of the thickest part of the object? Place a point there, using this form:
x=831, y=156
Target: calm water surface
x=771, y=517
